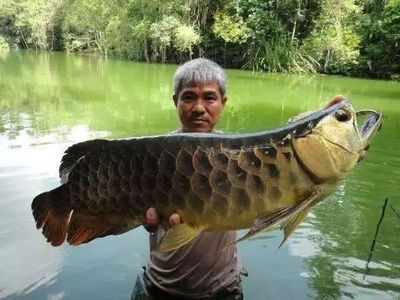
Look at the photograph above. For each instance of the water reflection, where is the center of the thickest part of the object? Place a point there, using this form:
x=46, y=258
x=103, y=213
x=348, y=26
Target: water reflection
x=25, y=260
x=53, y=92
x=25, y=171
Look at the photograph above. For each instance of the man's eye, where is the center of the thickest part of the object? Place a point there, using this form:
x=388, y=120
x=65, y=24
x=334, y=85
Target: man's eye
x=187, y=98
x=210, y=98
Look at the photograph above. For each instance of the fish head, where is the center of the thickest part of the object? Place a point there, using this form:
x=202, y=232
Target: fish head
x=337, y=141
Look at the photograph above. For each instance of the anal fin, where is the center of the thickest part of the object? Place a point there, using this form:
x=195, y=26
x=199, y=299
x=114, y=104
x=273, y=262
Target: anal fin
x=178, y=236
x=84, y=227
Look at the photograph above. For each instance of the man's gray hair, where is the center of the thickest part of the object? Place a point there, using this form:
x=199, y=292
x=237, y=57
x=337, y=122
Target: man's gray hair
x=199, y=71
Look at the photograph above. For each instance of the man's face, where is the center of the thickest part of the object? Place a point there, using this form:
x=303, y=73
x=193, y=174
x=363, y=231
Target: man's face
x=199, y=107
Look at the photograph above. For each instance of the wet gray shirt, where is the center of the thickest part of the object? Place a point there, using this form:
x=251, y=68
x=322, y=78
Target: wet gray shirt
x=197, y=270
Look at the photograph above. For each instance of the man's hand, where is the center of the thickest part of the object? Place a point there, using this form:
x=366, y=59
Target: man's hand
x=152, y=220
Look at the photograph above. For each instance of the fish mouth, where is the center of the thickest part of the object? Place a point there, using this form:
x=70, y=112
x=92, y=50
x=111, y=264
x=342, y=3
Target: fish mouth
x=371, y=123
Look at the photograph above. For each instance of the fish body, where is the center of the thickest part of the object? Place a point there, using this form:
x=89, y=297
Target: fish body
x=215, y=182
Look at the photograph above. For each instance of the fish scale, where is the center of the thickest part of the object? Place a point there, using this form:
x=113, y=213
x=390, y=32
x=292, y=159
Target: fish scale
x=215, y=182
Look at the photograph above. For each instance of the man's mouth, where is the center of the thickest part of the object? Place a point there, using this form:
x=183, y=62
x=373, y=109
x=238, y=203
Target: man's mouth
x=198, y=120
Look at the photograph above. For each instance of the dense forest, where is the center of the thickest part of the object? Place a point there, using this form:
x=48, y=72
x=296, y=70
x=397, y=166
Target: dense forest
x=349, y=37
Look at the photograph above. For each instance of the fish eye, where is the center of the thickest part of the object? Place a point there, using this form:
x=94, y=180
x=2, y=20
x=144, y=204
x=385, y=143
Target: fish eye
x=342, y=115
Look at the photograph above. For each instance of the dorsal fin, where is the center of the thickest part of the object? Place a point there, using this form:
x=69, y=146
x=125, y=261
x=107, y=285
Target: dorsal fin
x=74, y=153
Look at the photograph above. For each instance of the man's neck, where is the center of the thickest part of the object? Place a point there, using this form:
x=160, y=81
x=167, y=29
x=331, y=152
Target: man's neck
x=183, y=130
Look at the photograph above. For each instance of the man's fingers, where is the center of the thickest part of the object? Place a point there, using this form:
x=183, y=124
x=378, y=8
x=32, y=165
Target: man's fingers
x=152, y=217
x=174, y=219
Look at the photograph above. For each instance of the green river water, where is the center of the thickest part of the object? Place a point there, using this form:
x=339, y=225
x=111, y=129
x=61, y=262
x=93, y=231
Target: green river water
x=50, y=101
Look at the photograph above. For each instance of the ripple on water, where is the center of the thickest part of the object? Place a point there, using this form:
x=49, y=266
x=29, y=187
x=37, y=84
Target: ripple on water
x=379, y=281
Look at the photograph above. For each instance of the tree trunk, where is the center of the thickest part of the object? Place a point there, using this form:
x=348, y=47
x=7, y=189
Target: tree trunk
x=295, y=20
x=327, y=59
x=23, y=39
x=201, y=52
x=225, y=54
x=52, y=39
x=163, y=55
x=293, y=31
x=146, y=51
x=97, y=41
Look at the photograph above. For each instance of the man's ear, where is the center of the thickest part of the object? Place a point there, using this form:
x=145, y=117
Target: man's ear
x=223, y=100
x=175, y=98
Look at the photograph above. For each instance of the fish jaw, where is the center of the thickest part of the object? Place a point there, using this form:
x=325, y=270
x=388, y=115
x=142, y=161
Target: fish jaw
x=368, y=129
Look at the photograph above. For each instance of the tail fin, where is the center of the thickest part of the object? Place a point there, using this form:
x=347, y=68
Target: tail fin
x=52, y=214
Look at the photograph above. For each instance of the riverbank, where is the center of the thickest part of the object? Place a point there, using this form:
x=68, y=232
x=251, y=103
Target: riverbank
x=353, y=38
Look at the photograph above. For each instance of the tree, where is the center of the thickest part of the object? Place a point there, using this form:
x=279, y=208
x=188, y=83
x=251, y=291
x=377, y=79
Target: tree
x=85, y=25
x=231, y=29
x=162, y=35
x=185, y=38
x=31, y=22
x=380, y=46
x=353, y=37
x=334, y=42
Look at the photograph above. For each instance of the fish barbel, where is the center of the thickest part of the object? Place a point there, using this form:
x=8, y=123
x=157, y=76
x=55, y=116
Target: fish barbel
x=214, y=182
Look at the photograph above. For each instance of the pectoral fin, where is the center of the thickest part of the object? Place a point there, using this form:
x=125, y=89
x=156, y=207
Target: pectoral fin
x=293, y=214
x=266, y=222
x=178, y=236
x=292, y=223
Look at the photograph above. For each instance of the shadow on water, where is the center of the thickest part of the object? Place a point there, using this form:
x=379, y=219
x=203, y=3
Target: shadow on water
x=49, y=101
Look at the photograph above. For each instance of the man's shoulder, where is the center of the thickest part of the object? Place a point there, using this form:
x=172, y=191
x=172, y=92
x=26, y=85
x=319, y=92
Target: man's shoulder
x=175, y=131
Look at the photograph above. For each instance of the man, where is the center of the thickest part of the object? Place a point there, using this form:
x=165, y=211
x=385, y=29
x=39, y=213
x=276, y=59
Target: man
x=198, y=270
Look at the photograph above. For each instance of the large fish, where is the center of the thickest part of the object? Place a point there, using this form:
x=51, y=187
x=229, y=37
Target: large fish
x=215, y=182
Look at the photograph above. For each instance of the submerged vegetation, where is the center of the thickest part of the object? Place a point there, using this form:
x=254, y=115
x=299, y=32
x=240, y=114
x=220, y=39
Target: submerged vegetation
x=350, y=37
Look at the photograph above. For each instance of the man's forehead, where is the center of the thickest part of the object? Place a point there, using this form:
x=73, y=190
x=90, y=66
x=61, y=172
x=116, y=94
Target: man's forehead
x=207, y=87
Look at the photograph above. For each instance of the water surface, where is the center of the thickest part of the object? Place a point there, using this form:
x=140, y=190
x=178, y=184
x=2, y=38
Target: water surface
x=50, y=101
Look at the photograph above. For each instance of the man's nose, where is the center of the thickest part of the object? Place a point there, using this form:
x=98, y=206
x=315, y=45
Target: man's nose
x=198, y=107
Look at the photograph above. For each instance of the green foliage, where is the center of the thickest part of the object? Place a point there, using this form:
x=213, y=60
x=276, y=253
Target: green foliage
x=162, y=35
x=381, y=41
x=276, y=31
x=279, y=54
x=338, y=37
x=334, y=42
x=38, y=17
x=31, y=23
x=391, y=21
x=185, y=38
x=391, y=36
x=85, y=25
x=335, y=50
x=230, y=28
